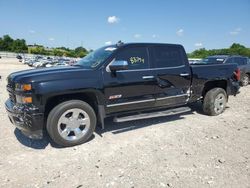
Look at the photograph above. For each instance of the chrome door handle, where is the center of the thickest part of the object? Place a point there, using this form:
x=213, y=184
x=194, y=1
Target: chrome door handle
x=184, y=74
x=147, y=77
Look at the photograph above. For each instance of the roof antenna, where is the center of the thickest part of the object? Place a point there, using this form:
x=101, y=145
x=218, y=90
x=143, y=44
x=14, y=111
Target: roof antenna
x=119, y=43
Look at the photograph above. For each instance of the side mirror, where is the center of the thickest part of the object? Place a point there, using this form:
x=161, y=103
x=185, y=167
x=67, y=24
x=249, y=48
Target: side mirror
x=118, y=65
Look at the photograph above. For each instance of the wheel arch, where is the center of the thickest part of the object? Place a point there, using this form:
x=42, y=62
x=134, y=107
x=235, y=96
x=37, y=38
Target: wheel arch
x=93, y=98
x=214, y=84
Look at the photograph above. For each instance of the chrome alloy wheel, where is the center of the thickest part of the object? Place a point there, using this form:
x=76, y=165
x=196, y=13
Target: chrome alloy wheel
x=245, y=80
x=220, y=103
x=73, y=124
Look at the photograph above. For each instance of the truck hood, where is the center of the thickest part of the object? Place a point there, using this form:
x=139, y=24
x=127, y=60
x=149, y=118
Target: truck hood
x=51, y=74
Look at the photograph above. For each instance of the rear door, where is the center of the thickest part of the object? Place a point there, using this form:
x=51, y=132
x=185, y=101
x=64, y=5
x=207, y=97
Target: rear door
x=172, y=74
x=130, y=89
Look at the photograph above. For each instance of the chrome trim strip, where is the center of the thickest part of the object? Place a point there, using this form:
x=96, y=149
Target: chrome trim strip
x=163, y=98
x=148, y=69
x=147, y=77
x=133, y=102
x=148, y=100
x=184, y=74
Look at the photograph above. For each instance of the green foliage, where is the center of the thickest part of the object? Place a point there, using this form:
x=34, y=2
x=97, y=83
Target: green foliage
x=235, y=49
x=38, y=50
x=60, y=51
x=81, y=52
x=9, y=44
x=19, y=46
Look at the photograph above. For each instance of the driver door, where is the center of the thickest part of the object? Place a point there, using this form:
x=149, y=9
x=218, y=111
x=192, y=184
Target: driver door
x=130, y=89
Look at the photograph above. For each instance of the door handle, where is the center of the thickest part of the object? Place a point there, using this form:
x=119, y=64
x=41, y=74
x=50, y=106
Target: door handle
x=147, y=77
x=184, y=74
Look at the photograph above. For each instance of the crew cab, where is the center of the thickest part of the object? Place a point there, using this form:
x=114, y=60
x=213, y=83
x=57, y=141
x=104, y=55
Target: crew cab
x=125, y=81
x=242, y=62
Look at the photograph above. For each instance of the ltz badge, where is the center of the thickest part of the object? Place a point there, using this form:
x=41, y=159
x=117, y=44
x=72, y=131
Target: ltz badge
x=115, y=97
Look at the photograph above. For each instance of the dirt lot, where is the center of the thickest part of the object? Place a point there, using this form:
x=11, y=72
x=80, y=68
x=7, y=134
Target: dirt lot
x=191, y=150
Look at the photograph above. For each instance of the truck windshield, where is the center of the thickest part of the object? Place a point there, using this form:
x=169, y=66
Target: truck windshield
x=212, y=60
x=95, y=58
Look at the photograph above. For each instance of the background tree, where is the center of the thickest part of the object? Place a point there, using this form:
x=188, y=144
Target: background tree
x=80, y=52
x=234, y=49
x=19, y=46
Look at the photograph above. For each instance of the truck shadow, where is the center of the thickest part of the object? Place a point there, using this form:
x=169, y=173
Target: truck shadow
x=110, y=126
x=39, y=144
x=31, y=143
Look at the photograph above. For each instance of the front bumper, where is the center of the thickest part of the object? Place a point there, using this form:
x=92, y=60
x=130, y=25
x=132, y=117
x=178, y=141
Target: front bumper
x=25, y=118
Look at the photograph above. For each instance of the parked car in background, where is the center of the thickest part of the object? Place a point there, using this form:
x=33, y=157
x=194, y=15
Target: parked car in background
x=19, y=57
x=242, y=62
x=124, y=81
x=193, y=60
x=47, y=61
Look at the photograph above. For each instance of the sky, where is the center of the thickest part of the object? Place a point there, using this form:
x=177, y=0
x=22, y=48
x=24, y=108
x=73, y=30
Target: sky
x=195, y=24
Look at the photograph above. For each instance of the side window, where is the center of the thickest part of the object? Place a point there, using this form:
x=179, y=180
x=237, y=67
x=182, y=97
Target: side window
x=240, y=60
x=167, y=56
x=244, y=60
x=137, y=57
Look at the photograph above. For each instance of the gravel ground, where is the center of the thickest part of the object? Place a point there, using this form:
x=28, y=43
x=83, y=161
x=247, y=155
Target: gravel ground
x=191, y=150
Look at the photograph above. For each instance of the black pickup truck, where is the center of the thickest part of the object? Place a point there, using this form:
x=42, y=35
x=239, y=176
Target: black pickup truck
x=120, y=81
x=242, y=62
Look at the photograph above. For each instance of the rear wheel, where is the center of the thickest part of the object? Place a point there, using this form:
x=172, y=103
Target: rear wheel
x=71, y=123
x=215, y=101
x=245, y=80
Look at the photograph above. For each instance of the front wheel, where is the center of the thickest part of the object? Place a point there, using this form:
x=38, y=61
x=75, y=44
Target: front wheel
x=215, y=101
x=71, y=123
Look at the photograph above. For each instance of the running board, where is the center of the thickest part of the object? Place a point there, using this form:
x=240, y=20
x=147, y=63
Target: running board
x=148, y=115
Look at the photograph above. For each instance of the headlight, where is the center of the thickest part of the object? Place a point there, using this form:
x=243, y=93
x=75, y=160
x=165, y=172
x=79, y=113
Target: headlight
x=23, y=99
x=23, y=87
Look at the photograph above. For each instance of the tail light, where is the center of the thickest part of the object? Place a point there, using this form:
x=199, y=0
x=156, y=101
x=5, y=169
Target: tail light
x=237, y=74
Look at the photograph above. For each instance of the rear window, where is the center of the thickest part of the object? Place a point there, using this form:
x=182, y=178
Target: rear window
x=213, y=60
x=167, y=56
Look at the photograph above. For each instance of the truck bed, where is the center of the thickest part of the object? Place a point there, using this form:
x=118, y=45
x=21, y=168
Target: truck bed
x=203, y=73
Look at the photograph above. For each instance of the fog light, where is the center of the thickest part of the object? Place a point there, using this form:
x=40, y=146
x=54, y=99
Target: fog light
x=23, y=100
x=27, y=99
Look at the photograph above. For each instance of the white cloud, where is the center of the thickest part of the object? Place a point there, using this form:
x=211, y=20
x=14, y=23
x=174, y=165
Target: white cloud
x=198, y=44
x=155, y=36
x=180, y=32
x=137, y=36
x=51, y=39
x=236, y=31
x=32, y=31
x=108, y=43
x=113, y=19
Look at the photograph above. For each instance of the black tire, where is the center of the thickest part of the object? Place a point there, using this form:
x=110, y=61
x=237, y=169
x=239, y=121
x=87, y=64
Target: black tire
x=58, y=111
x=210, y=104
x=244, y=80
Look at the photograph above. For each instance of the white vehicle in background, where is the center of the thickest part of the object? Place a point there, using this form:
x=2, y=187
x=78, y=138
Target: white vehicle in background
x=194, y=60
